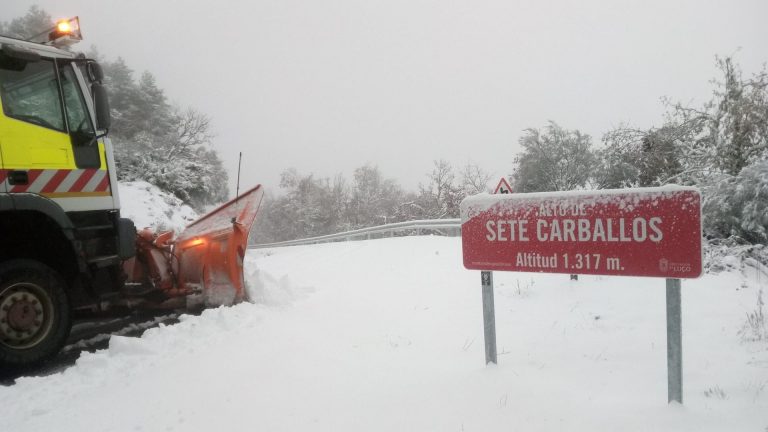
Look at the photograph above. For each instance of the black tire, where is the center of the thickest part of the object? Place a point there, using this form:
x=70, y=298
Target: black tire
x=35, y=317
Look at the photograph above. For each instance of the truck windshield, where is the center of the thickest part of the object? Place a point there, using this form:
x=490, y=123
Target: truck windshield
x=32, y=94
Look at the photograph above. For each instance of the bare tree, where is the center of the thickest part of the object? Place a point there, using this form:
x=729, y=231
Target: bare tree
x=191, y=130
x=474, y=180
x=440, y=198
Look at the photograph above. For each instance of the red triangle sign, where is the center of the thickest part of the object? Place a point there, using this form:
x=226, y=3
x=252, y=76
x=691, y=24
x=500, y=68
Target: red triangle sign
x=503, y=187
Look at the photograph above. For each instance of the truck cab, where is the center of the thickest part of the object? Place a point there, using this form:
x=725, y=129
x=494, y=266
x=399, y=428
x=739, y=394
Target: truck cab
x=60, y=228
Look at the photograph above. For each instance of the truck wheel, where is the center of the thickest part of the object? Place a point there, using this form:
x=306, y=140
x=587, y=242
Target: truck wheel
x=35, y=317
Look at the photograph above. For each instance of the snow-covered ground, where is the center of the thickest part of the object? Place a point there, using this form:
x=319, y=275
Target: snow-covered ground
x=149, y=207
x=386, y=335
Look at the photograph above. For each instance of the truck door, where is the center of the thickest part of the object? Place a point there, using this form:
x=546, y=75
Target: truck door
x=33, y=133
x=48, y=138
x=82, y=133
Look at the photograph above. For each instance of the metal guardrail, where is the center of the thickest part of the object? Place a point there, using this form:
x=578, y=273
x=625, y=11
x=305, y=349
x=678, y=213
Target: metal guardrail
x=446, y=227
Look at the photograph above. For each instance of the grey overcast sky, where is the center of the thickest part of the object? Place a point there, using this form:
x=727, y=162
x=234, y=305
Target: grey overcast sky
x=327, y=86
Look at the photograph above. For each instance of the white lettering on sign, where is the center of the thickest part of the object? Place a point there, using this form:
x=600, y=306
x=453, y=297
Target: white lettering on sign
x=637, y=230
x=512, y=230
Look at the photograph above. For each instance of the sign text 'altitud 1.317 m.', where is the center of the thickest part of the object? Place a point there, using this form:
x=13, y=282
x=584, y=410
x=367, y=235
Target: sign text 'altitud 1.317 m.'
x=628, y=232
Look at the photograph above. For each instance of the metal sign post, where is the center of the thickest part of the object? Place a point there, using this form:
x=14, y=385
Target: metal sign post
x=674, y=343
x=489, y=309
x=489, y=317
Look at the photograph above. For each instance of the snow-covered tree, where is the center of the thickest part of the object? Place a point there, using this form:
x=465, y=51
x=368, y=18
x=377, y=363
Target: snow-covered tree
x=728, y=133
x=310, y=206
x=554, y=159
x=32, y=24
x=179, y=160
x=634, y=157
x=123, y=97
x=136, y=107
x=374, y=199
x=738, y=205
x=153, y=113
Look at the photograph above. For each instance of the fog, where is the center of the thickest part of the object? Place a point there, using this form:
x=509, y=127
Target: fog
x=327, y=86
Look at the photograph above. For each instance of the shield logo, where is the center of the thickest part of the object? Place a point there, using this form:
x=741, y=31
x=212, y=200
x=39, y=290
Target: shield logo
x=664, y=265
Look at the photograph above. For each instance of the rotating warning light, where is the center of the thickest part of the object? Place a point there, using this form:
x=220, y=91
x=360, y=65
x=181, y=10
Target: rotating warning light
x=64, y=27
x=66, y=32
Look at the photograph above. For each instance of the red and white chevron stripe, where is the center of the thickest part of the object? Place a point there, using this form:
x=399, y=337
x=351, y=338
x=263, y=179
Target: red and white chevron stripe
x=60, y=182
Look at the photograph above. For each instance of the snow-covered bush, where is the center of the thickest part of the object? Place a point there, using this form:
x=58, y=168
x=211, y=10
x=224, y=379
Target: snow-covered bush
x=734, y=253
x=738, y=205
x=195, y=175
x=756, y=328
x=554, y=159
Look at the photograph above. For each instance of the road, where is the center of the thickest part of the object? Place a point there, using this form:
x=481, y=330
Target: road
x=93, y=334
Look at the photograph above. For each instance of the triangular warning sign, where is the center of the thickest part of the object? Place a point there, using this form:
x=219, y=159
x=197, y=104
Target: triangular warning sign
x=503, y=187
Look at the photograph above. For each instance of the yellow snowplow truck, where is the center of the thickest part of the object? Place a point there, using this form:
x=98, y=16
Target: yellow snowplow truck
x=63, y=246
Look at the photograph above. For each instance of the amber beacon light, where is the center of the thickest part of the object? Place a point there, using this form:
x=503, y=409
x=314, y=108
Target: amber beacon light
x=66, y=32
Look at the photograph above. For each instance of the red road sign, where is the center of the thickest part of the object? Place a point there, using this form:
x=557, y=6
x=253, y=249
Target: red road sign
x=503, y=187
x=634, y=232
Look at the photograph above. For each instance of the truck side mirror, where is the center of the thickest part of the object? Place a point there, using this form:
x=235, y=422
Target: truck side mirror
x=95, y=72
x=101, y=102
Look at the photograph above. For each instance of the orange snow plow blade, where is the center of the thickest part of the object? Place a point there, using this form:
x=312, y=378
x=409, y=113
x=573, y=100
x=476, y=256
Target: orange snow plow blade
x=210, y=251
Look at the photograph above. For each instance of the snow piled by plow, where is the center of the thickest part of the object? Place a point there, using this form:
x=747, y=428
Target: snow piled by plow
x=149, y=207
x=386, y=335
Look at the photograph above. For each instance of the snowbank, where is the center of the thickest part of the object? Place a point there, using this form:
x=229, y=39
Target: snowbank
x=149, y=207
x=387, y=335
x=731, y=254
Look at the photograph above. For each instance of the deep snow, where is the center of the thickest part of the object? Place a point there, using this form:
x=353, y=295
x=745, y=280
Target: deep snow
x=386, y=335
x=149, y=207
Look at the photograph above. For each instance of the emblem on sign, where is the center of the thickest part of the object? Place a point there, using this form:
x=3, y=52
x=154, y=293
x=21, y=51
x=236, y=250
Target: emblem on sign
x=664, y=265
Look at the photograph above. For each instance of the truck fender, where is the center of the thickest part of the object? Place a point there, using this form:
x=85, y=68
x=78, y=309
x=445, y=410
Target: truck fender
x=34, y=202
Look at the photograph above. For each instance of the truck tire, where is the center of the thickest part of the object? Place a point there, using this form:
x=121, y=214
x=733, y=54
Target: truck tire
x=35, y=317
